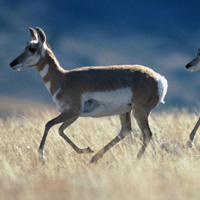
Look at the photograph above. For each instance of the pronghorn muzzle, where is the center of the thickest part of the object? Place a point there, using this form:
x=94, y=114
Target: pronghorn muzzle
x=194, y=65
x=15, y=65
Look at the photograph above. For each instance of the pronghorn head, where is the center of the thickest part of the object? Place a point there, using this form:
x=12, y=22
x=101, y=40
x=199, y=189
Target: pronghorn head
x=34, y=50
x=194, y=65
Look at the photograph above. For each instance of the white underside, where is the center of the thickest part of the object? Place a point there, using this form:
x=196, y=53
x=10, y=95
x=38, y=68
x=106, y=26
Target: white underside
x=97, y=104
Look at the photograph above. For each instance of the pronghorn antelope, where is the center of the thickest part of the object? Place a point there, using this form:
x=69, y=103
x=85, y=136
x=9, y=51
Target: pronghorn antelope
x=94, y=92
x=194, y=65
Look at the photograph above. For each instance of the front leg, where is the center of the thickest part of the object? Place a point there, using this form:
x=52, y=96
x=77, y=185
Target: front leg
x=61, y=132
x=66, y=115
x=192, y=134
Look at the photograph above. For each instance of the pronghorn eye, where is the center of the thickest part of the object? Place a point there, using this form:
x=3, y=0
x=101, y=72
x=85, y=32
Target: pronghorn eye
x=31, y=49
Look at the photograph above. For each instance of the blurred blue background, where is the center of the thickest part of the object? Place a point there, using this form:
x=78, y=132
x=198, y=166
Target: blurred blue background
x=163, y=35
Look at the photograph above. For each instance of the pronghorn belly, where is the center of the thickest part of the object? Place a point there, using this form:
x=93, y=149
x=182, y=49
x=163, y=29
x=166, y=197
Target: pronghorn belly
x=105, y=103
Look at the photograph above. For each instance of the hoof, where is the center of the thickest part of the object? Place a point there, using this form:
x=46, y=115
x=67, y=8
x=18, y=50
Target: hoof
x=86, y=150
x=90, y=150
x=189, y=143
x=96, y=157
x=93, y=160
x=42, y=158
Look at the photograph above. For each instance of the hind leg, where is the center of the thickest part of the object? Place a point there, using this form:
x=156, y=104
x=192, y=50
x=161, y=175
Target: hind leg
x=125, y=130
x=61, y=132
x=142, y=120
x=192, y=134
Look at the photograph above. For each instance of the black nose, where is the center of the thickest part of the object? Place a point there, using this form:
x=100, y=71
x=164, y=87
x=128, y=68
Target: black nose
x=13, y=63
x=187, y=66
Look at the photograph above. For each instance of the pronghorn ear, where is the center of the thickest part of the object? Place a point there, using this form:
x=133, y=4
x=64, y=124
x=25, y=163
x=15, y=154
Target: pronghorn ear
x=33, y=34
x=41, y=35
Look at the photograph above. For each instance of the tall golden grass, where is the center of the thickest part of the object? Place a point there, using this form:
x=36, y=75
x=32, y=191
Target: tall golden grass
x=168, y=170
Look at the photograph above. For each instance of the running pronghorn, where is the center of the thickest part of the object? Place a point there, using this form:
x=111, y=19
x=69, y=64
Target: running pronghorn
x=94, y=92
x=194, y=65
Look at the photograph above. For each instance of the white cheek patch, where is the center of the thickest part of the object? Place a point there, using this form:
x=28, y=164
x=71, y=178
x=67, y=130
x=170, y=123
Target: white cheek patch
x=96, y=104
x=44, y=71
x=32, y=61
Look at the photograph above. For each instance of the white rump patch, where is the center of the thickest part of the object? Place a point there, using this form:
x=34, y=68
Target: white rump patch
x=44, y=71
x=162, y=87
x=97, y=104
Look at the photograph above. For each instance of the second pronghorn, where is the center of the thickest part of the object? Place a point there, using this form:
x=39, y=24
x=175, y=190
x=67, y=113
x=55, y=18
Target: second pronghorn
x=194, y=65
x=94, y=92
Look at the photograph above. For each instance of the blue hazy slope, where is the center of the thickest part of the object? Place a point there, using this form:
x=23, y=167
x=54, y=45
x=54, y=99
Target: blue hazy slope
x=163, y=35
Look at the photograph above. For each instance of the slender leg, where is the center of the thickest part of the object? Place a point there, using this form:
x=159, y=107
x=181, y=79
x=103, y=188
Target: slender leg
x=142, y=120
x=125, y=130
x=192, y=134
x=61, y=132
x=67, y=115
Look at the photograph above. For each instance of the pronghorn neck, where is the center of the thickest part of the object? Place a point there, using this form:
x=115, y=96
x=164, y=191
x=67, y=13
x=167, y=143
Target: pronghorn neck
x=51, y=71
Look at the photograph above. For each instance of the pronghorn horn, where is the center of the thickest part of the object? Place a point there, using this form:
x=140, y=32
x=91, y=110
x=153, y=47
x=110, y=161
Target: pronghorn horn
x=33, y=34
x=41, y=35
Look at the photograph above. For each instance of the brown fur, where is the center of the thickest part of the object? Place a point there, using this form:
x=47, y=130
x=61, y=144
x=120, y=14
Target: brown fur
x=75, y=82
x=67, y=86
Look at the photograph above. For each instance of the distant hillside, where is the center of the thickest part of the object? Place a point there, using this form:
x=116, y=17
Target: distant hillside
x=162, y=35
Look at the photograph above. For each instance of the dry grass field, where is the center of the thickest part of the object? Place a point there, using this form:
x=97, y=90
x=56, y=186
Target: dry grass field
x=169, y=170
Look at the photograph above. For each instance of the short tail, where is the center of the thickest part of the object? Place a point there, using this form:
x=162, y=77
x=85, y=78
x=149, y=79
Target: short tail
x=162, y=87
